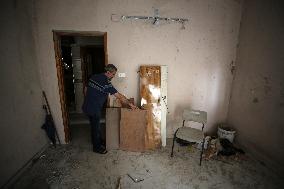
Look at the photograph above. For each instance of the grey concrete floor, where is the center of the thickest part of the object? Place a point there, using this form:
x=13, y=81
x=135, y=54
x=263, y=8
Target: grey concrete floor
x=75, y=166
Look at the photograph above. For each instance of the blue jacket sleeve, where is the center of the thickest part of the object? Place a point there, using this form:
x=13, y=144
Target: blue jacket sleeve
x=110, y=89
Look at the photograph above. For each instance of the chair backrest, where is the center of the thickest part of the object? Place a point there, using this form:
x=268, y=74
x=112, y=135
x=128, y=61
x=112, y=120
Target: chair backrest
x=195, y=115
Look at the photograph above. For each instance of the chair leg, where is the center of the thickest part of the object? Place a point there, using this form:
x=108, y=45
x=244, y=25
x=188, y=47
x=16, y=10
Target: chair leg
x=172, y=153
x=202, y=149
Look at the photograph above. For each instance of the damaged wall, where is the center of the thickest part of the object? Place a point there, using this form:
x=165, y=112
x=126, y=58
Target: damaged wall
x=199, y=58
x=20, y=96
x=257, y=103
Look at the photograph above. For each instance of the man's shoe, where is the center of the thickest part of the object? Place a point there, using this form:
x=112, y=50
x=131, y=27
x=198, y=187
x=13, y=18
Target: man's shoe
x=100, y=151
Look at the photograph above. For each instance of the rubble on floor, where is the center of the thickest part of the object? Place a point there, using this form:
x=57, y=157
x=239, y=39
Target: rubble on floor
x=76, y=166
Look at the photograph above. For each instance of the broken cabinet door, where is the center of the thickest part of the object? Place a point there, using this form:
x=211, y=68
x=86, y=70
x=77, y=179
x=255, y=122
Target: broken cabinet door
x=152, y=98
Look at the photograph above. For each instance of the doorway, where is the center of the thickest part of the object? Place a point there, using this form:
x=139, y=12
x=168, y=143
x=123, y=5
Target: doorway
x=78, y=56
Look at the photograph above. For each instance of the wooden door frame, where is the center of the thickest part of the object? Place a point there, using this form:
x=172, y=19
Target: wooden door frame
x=57, y=34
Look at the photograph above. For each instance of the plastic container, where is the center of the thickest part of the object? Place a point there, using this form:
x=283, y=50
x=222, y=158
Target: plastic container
x=227, y=133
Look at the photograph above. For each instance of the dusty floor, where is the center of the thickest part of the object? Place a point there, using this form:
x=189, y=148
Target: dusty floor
x=75, y=166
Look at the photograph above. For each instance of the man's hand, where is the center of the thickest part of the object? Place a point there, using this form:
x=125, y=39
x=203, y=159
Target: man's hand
x=133, y=107
x=124, y=100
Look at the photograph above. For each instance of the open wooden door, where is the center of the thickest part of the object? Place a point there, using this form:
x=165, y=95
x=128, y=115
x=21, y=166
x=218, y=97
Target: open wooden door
x=106, y=61
x=60, y=74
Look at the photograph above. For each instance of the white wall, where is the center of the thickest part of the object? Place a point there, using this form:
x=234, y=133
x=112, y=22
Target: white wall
x=21, y=114
x=257, y=105
x=199, y=58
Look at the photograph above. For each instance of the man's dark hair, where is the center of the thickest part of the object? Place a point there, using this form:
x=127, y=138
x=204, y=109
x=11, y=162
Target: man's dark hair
x=110, y=68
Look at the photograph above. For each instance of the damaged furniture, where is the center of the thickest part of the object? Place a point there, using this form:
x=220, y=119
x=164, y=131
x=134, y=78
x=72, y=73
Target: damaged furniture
x=153, y=94
x=190, y=134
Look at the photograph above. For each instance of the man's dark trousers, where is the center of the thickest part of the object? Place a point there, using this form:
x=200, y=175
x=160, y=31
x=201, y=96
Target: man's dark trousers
x=96, y=131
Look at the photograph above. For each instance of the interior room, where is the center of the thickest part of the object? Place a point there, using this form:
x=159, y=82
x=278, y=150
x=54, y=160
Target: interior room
x=205, y=77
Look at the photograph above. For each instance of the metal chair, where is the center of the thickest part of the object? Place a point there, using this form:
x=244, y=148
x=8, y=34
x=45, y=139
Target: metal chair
x=191, y=134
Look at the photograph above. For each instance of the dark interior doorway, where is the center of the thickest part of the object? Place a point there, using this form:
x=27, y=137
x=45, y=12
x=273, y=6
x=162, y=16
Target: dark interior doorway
x=66, y=42
x=92, y=62
x=78, y=56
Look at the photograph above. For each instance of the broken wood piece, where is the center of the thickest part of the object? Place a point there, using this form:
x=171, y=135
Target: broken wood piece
x=135, y=178
x=131, y=100
x=150, y=92
x=118, y=104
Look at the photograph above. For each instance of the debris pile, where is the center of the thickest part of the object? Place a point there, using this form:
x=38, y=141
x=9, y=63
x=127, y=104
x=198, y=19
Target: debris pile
x=219, y=147
x=222, y=147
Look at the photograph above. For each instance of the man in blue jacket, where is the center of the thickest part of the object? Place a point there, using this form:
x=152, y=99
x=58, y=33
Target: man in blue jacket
x=98, y=89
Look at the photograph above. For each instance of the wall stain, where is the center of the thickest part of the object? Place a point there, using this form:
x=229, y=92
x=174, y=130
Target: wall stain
x=233, y=68
x=267, y=87
x=238, y=1
x=255, y=100
x=266, y=80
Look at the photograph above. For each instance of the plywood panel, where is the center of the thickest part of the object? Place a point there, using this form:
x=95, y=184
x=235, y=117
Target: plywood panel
x=132, y=129
x=150, y=92
x=112, y=128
